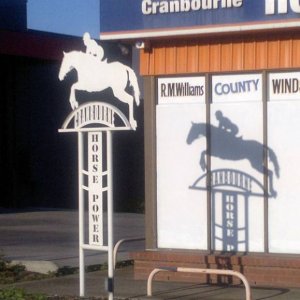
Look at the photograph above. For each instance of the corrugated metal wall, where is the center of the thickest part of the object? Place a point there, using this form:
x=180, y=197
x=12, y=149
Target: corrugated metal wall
x=222, y=54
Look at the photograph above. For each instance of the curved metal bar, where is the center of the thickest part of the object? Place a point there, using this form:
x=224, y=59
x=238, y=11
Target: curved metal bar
x=201, y=271
x=118, y=244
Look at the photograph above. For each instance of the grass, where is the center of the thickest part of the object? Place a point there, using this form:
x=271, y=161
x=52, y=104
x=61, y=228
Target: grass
x=16, y=273
x=10, y=274
x=93, y=268
x=19, y=294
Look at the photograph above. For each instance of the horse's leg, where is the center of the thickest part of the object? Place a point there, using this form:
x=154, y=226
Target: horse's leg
x=73, y=102
x=125, y=97
x=203, y=160
x=262, y=169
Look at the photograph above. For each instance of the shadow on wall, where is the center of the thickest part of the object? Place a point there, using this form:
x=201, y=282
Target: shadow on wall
x=229, y=186
x=226, y=145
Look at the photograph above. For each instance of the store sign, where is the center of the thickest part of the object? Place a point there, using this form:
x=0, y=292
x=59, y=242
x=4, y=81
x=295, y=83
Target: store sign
x=237, y=88
x=284, y=86
x=177, y=90
x=152, y=18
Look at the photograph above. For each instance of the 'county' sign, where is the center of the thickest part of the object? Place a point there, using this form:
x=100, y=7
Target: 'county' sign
x=237, y=88
x=154, y=18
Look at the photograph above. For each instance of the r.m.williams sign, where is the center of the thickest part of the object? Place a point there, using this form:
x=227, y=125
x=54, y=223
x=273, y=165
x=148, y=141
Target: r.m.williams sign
x=153, y=18
x=175, y=90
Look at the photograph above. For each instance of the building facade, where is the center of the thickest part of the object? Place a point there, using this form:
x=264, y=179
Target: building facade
x=221, y=92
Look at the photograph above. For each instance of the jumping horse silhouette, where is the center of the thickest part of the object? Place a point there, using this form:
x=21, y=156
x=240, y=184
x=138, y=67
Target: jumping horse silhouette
x=227, y=146
x=95, y=75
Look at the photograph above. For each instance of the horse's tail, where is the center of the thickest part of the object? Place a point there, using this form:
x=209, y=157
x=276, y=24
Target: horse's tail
x=274, y=160
x=134, y=83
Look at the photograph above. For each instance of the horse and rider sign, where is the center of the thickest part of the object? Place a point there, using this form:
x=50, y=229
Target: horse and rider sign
x=94, y=123
x=96, y=75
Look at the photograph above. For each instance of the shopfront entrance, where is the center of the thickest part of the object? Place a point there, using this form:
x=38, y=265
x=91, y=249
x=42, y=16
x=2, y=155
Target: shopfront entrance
x=221, y=100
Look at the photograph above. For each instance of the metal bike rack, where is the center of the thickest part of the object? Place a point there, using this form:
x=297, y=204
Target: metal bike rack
x=200, y=271
x=118, y=244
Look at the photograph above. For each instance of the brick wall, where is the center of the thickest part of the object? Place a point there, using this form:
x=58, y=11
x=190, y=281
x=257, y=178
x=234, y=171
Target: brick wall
x=267, y=270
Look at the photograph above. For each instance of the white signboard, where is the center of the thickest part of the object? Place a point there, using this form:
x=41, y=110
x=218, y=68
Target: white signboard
x=237, y=88
x=284, y=139
x=181, y=211
x=284, y=86
x=176, y=90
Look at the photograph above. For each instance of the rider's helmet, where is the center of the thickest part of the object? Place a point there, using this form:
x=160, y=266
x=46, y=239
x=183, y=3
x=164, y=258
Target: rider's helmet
x=86, y=37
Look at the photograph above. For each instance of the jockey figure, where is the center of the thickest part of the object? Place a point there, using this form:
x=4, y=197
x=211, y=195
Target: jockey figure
x=226, y=124
x=92, y=47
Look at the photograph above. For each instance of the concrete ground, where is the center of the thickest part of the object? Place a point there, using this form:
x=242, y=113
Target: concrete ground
x=128, y=288
x=52, y=236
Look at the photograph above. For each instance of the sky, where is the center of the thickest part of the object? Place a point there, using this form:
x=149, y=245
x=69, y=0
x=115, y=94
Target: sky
x=70, y=17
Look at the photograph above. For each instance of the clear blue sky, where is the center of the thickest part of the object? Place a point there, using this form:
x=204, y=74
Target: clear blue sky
x=71, y=17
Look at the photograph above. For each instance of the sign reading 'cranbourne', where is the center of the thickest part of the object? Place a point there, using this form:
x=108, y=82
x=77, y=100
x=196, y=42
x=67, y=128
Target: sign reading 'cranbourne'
x=153, y=18
x=163, y=7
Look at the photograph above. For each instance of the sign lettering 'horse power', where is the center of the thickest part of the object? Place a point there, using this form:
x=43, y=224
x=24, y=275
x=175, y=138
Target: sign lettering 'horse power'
x=95, y=188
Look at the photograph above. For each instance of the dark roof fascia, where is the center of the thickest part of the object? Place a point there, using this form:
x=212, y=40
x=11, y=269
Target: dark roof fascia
x=37, y=44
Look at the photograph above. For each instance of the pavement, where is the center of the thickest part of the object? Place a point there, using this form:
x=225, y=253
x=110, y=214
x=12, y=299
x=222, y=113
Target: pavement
x=51, y=237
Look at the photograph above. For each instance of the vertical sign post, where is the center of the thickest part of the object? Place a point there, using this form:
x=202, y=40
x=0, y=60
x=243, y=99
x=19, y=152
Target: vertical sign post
x=110, y=282
x=94, y=123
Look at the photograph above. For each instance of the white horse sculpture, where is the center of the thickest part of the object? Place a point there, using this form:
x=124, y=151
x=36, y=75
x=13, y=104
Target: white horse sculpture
x=95, y=75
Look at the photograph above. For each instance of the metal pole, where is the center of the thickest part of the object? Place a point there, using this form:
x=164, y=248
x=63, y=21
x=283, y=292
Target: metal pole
x=110, y=282
x=81, y=215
